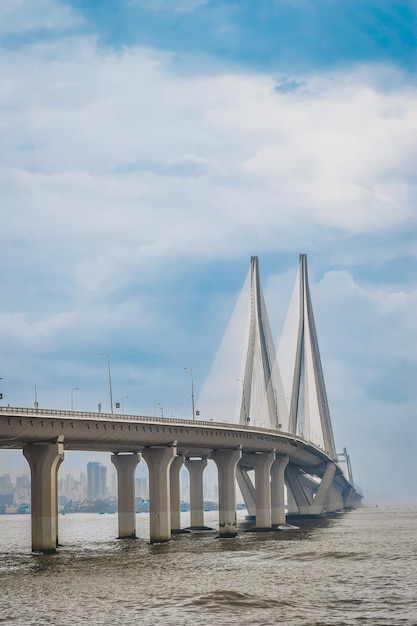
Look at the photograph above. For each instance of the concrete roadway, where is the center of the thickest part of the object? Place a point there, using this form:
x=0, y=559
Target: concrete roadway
x=115, y=433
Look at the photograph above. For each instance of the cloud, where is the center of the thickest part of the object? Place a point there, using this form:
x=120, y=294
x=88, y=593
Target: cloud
x=23, y=16
x=371, y=311
x=334, y=153
x=190, y=165
x=180, y=6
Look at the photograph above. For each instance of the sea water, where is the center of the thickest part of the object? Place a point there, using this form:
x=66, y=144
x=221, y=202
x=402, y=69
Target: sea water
x=359, y=567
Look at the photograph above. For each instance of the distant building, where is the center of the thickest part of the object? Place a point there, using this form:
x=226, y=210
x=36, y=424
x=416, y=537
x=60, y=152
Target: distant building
x=96, y=481
x=142, y=490
x=6, y=486
x=22, y=485
x=82, y=487
x=184, y=485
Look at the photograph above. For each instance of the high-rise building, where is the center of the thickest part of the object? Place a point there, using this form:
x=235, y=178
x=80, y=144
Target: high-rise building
x=82, y=487
x=142, y=490
x=96, y=480
x=22, y=489
x=6, y=486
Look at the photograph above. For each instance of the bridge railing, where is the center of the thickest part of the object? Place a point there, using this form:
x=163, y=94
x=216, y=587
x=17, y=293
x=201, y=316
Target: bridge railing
x=32, y=412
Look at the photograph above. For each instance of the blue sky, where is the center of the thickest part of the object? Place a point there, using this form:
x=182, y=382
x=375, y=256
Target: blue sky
x=149, y=148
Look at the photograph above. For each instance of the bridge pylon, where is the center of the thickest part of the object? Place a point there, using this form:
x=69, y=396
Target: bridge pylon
x=263, y=399
x=309, y=411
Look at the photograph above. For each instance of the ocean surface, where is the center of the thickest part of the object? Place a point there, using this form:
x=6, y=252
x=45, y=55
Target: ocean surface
x=356, y=568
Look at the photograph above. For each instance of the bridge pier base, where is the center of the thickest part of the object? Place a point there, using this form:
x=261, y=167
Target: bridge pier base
x=174, y=471
x=226, y=462
x=278, y=490
x=262, y=463
x=159, y=461
x=44, y=460
x=125, y=465
x=196, y=468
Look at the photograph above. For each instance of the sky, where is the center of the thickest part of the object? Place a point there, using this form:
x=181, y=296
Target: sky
x=148, y=148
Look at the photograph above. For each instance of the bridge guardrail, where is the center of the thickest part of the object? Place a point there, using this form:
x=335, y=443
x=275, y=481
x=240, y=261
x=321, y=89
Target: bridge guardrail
x=32, y=412
x=147, y=418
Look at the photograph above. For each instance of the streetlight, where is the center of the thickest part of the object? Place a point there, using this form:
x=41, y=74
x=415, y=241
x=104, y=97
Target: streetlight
x=108, y=367
x=172, y=412
x=72, y=397
x=192, y=390
x=244, y=399
x=36, y=403
x=154, y=408
x=123, y=404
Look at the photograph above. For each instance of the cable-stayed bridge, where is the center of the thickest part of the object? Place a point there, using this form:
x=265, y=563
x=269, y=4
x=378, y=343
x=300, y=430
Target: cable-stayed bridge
x=278, y=448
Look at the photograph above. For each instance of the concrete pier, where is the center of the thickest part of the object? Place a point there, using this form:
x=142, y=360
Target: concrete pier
x=125, y=465
x=299, y=498
x=226, y=462
x=44, y=460
x=313, y=498
x=175, y=469
x=278, y=490
x=320, y=503
x=196, y=469
x=262, y=463
x=247, y=490
x=159, y=461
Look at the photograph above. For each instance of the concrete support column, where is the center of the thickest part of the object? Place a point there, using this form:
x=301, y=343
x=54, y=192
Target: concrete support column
x=262, y=465
x=159, y=462
x=247, y=490
x=44, y=460
x=298, y=497
x=196, y=469
x=226, y=461
x=278, y=490
x=320, y=504
x=175, y=469
x=125, y=465
x=291, y=502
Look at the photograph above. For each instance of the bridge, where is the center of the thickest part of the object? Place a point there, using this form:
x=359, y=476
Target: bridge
x=274, y=453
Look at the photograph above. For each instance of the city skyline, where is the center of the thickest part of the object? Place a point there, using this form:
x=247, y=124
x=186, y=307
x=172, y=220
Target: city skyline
x=95, y=483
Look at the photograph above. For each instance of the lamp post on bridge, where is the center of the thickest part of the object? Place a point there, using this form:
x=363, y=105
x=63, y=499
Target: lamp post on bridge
x=192, y=390
x=36, y=403
x=72, y=397
x=110, y=387
x=123, y=404
x=154, y=408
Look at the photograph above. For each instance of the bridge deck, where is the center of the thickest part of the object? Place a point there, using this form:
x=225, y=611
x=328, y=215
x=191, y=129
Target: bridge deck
x=129, y=433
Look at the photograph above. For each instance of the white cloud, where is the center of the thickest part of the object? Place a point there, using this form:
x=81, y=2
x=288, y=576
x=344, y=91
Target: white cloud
x=22, y=16
x=381, y=317
x=18, y=327
x=107, y=139
x=175, y=6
